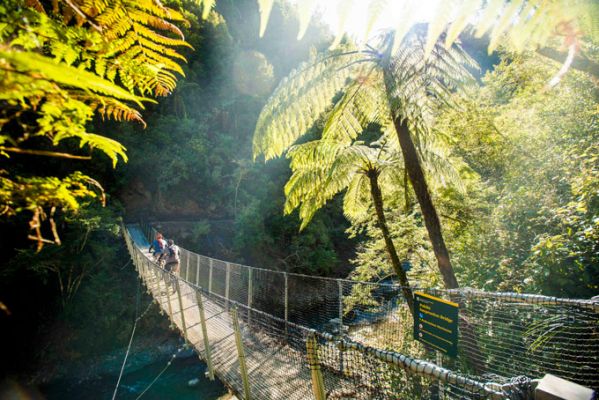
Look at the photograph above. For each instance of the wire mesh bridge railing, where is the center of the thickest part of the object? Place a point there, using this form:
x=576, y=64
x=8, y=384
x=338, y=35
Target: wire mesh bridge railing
x=275, y=335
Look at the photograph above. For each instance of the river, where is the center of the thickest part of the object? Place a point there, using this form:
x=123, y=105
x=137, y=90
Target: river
x=172, y=384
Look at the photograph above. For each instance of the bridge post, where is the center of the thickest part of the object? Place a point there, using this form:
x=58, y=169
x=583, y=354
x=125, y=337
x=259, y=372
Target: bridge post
x=441, y=387
x=250, y=293
x=157, y=277
x=182, y=309
x=340, y=290
x=241, y=354
x=187, y=254
x=227, y=284
x=205, y=335
x=210, y=278
x=314, y=364
x=197, y=269
x=168, y=299
x=286, y=302
x=340, y=287
x=143, y=268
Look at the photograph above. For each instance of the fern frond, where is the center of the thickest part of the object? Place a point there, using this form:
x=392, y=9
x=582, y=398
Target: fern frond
x=344, y=8
x=357, y=199
x=462, y=18
x=375, y=9
x=156, y=37
x=510, y=12
x=155, y=22
x=265, y=7
x=111, y=108
x=305, y=10
x=298, y=101
x=111, y=148
x=207, y=6
x=488, y=16
x=363, y=103
x=33, y=63
x=442, y=16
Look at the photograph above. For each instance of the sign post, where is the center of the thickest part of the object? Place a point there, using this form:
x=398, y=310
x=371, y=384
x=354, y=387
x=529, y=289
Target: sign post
x=436, y=323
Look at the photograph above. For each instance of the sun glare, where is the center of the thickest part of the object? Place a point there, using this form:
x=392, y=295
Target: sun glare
x=356, y=24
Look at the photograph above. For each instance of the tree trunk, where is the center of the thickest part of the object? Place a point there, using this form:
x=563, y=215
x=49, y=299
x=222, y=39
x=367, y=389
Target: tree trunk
x=377, y=199
x=429, y=213
x=433, y=227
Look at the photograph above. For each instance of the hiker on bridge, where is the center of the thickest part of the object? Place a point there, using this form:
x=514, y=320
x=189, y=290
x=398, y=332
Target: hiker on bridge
x=159, y=247
x=173, y=256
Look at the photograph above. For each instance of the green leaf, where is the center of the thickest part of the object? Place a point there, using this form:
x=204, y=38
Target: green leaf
x=32, y=63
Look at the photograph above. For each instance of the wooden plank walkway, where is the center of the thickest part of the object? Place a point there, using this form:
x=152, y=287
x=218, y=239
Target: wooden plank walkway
x=275, y=370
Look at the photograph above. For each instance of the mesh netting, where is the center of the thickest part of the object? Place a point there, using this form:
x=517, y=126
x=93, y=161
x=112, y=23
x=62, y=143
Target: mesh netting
x=363, y=334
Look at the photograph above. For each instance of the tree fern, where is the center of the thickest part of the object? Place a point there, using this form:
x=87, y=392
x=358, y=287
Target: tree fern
x=299, y=100
x=516, y=24
x=67, y=61
x=393, y=83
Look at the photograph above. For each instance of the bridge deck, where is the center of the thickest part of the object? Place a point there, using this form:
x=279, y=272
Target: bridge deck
x=275, y=370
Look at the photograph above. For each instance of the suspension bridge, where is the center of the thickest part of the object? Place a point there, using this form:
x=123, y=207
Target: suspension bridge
x=275, y=335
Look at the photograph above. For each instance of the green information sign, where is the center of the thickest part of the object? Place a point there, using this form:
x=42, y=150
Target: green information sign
x=436, y=323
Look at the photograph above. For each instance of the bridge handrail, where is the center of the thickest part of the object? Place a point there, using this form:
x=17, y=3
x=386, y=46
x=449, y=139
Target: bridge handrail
x=493, y=390
x=468, y=292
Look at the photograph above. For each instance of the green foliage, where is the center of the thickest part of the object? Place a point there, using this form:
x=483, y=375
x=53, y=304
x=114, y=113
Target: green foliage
x=536, y=203
x=62, y=65
x=37, y=194
x=377, y=84
x=372, y=263
x=418, y=87
x=91, y=241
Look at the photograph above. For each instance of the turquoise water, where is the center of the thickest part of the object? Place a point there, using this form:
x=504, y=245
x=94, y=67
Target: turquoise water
x=171, y=385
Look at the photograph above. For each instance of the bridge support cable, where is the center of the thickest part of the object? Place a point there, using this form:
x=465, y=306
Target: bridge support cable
x=520, y=337
x=168, y=364
x=137, y=319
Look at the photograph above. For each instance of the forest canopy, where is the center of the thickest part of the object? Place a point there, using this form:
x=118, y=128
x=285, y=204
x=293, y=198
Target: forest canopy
x=513, y=194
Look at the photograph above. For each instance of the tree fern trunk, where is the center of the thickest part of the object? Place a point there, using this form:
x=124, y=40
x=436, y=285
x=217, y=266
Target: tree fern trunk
x=429, y=213
x=377, y=199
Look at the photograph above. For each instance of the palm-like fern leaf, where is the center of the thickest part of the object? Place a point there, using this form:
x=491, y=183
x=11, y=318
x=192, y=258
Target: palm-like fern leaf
x=299, y=100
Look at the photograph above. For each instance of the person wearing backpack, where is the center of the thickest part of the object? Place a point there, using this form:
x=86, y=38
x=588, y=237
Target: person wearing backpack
x=173, y=257
x=158, y=245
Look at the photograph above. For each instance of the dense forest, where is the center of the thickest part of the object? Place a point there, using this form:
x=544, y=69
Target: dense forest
x=511, y=163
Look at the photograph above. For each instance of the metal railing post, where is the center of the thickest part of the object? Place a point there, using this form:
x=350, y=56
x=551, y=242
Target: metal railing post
x=250, y=294
x=340, y=286
x=198, y=269
x=441, y=389
x=241, y=354
x=157, y=275
x=286, y=301
x=227, y=283
x=145, y=266
x=182, y=309
x=168, y=298
x=210, y=277
x=205, y=335
x=314, y=364
x=341, y=354
x=187, y=266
